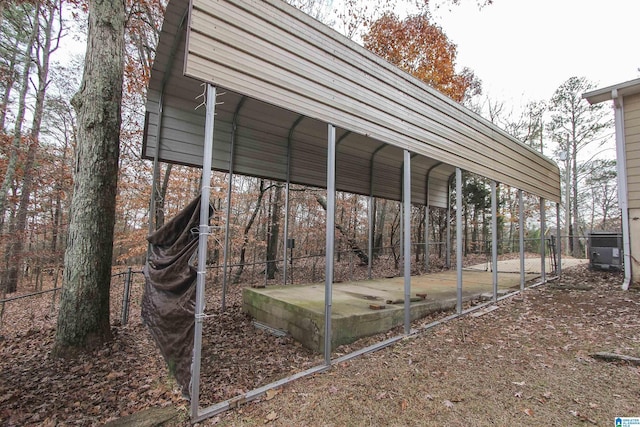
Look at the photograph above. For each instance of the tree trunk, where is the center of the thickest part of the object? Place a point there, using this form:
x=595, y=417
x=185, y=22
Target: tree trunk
x=350, y=240
x=577, y=253
x=57, y=211
x=10, y=80
x=245, y=234
x=17, y=249
x=17, y=134
x=381, y=214
x=83, y=320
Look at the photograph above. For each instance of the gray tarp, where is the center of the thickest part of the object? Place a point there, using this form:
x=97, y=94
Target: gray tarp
x=168, y=303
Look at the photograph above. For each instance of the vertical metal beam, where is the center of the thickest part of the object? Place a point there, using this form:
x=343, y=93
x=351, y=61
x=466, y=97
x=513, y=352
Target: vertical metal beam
x=156, y=171
x=426, y=237
x=202, y=249
x=458, y=240
x=401, y=241
x=406, y=186
x=370, y=236
x=447, y=245
x=558, y=240
x=286, y=197
x=521, y=237
x=286, y=230
x=370, y=213
x=426, y=217
x=227, y=216
x=494, y=239
x=543, y=225
x=225, y=249
x=330, y=237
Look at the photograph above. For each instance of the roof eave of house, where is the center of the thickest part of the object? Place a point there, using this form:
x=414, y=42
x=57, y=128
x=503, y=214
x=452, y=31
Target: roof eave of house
x=630, y=87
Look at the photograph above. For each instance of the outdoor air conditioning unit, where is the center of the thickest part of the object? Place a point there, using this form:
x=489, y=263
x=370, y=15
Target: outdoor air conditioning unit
x=605, y=250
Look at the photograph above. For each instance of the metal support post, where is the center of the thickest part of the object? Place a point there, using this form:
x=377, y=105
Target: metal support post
x=426, y=237
x=370, y=237
x=330, y=239
x=521, y=237
x=494, y=239
x=559, y=240
x=225, y=249
x=401, y=244
x=286, y=198
x=543, y=225
x=426, y=217
x=407, y=241
x=202, y=248
x=447, y=246
x=124, y=318
x=286, y=232
x=458, y=240
x=155, y=177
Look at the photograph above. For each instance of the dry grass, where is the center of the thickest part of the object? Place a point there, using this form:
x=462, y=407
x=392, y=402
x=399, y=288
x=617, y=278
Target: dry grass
x=526, y=363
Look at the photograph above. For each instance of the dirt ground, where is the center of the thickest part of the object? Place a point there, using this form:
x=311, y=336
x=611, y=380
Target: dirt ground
x=526, y=363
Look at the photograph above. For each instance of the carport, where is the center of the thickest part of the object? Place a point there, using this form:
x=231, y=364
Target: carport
x=259, y=88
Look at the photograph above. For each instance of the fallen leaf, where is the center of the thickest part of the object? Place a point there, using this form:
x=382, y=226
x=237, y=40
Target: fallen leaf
x=404, y=405
x=447, y=403
x=547, y=395
x=528, y=411
x=271, y=416
x=381, y=395
x=271, y=393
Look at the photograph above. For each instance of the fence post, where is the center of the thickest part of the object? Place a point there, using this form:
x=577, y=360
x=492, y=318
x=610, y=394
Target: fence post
x=55, y=290
x=125, y=299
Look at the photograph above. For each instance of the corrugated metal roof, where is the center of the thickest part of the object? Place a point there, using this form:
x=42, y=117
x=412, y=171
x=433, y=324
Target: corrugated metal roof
x=283, y=76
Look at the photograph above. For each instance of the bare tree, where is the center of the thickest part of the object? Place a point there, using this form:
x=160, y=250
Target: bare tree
x=47, y=42
x=576, y=126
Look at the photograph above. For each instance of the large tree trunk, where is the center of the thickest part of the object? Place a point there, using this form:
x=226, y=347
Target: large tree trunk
x=83, y=321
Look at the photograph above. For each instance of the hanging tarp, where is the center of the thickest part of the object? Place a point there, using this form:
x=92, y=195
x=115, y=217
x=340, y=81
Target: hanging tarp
x=168, y=303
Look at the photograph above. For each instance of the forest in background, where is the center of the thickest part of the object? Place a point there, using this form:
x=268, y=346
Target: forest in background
x=40, y=73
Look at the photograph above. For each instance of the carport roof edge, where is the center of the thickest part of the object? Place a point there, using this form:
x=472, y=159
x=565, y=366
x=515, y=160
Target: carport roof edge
x=290, y=65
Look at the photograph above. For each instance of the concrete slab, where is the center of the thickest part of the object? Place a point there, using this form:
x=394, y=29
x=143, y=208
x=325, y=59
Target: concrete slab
x=299, y=310
x=531, y=265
